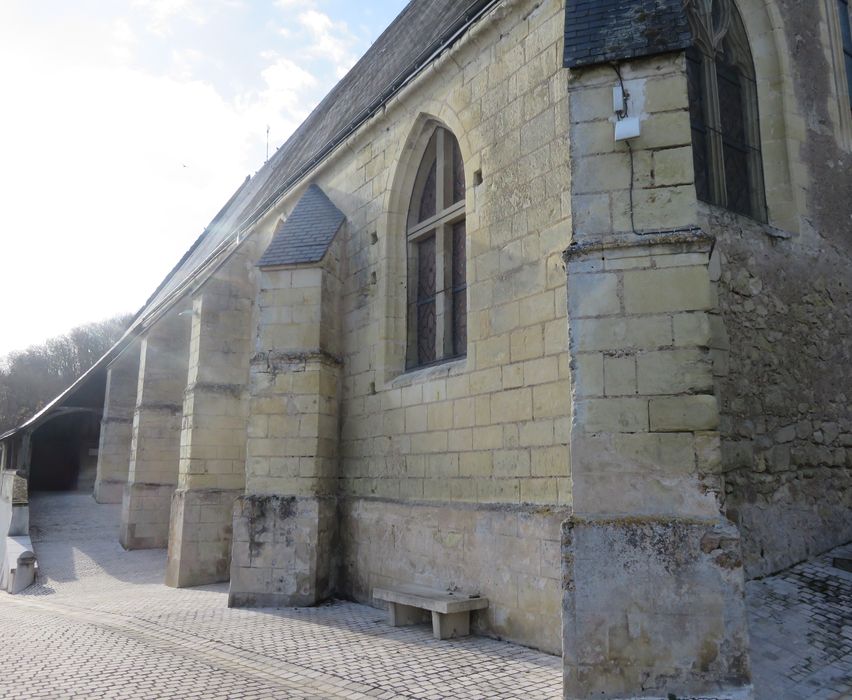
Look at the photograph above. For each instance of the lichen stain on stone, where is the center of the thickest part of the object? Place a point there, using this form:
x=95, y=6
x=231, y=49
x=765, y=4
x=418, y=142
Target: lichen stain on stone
x=286, y=507
x=708, y=654
x=670, y=543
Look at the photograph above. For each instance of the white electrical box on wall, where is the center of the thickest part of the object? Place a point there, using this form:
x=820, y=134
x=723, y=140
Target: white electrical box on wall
x=627, y=128
x=618, y=99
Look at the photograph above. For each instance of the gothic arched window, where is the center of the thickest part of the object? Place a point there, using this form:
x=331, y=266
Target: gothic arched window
x=723, y=110
x=437, y=260
x=846, y=40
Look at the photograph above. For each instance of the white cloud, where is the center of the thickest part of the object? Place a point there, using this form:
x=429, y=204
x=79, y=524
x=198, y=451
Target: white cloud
x=124, y=40
x=162, y=13
x=282, y=104
x=116, y=171
x=331, y=40
x=289, y=4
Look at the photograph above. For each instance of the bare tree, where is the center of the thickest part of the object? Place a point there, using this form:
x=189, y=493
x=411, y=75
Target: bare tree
x=30, y=378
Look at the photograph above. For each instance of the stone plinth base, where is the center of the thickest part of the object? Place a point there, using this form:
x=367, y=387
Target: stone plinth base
x=282, y=551
x=200, y=537
x=145, y=516
x=107, y=491
x=506, y=553
x=653, y=607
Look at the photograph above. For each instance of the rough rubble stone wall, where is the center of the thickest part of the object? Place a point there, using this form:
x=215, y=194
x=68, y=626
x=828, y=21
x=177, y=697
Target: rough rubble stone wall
x=783, y=368
x=785, y=376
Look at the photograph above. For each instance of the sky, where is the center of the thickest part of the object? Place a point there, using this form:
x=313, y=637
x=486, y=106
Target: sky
x=125, y=125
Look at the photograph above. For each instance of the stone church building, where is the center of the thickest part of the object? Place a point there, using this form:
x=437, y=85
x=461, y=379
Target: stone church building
x=547, y=300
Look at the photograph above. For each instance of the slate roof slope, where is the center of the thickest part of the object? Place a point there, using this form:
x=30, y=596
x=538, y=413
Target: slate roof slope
x=304, y=236
x=601, y=31
x=403, y=48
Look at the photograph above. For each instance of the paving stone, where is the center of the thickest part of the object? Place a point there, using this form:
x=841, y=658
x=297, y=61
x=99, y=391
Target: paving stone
x=99, y=623
x=797, y=621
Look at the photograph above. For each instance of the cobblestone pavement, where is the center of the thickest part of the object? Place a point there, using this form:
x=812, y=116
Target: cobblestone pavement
x=100, y=624
x=800, y=622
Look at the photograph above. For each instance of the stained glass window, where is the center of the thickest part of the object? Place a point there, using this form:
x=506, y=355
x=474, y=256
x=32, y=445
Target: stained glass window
x=846, y=34
x=723, y=110
x=426, y=300
x=437, y=246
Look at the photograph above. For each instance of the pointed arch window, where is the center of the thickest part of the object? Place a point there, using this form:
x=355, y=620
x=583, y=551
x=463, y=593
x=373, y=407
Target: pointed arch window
x=846, y=41
x=437, y=255
x=723, y=110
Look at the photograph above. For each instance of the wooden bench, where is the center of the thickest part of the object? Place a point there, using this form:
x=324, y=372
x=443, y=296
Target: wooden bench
x=450, y=609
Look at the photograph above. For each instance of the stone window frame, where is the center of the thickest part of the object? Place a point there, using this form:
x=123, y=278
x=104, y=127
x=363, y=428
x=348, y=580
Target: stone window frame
x=843, y=10
x=435, y=233
x=842, y=75
x=719, y=30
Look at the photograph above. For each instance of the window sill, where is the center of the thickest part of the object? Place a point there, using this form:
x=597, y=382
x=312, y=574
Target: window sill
x=721, y=216
x=449, y=368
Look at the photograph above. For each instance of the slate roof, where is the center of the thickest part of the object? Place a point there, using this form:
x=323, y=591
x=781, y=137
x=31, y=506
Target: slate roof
x=304, y=236
x=404, y=48
x=602, y=31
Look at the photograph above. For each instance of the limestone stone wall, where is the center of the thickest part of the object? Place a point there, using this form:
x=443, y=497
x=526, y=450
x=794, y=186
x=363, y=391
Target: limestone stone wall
x=508, y=553
x=493, y=427
x=652, y=576
x=283, y=527
x=155, y=443
x=284, y=551
x=211, y=469
x=117, y=426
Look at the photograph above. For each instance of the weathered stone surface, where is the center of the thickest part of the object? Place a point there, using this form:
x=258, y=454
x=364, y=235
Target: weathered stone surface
x=199, y=546
x=508, y=554
x=145, y=511
x=283, y=551
x=679, y=626
x=117, y=427
x=785, y=387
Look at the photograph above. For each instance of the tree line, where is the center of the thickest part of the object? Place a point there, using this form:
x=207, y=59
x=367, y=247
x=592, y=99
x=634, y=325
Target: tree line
x=30, y=378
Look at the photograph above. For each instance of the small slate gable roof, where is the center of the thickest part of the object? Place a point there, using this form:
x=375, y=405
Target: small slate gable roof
x=602, y=31
x=305, y=235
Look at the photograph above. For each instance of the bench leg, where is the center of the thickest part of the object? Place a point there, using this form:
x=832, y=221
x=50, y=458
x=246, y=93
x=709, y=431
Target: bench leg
x=402, y=615
x=449, y=626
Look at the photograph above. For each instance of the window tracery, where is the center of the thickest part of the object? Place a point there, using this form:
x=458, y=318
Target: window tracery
x=846, y=41
x=723, y=110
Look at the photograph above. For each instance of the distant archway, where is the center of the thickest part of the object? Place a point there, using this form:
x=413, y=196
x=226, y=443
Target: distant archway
x=64, y=453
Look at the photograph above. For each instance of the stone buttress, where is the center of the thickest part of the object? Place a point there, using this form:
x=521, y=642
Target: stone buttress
x=285, y=524
x=211, y=471
x=155, y=445
x=652, y=571
x=117, y=426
